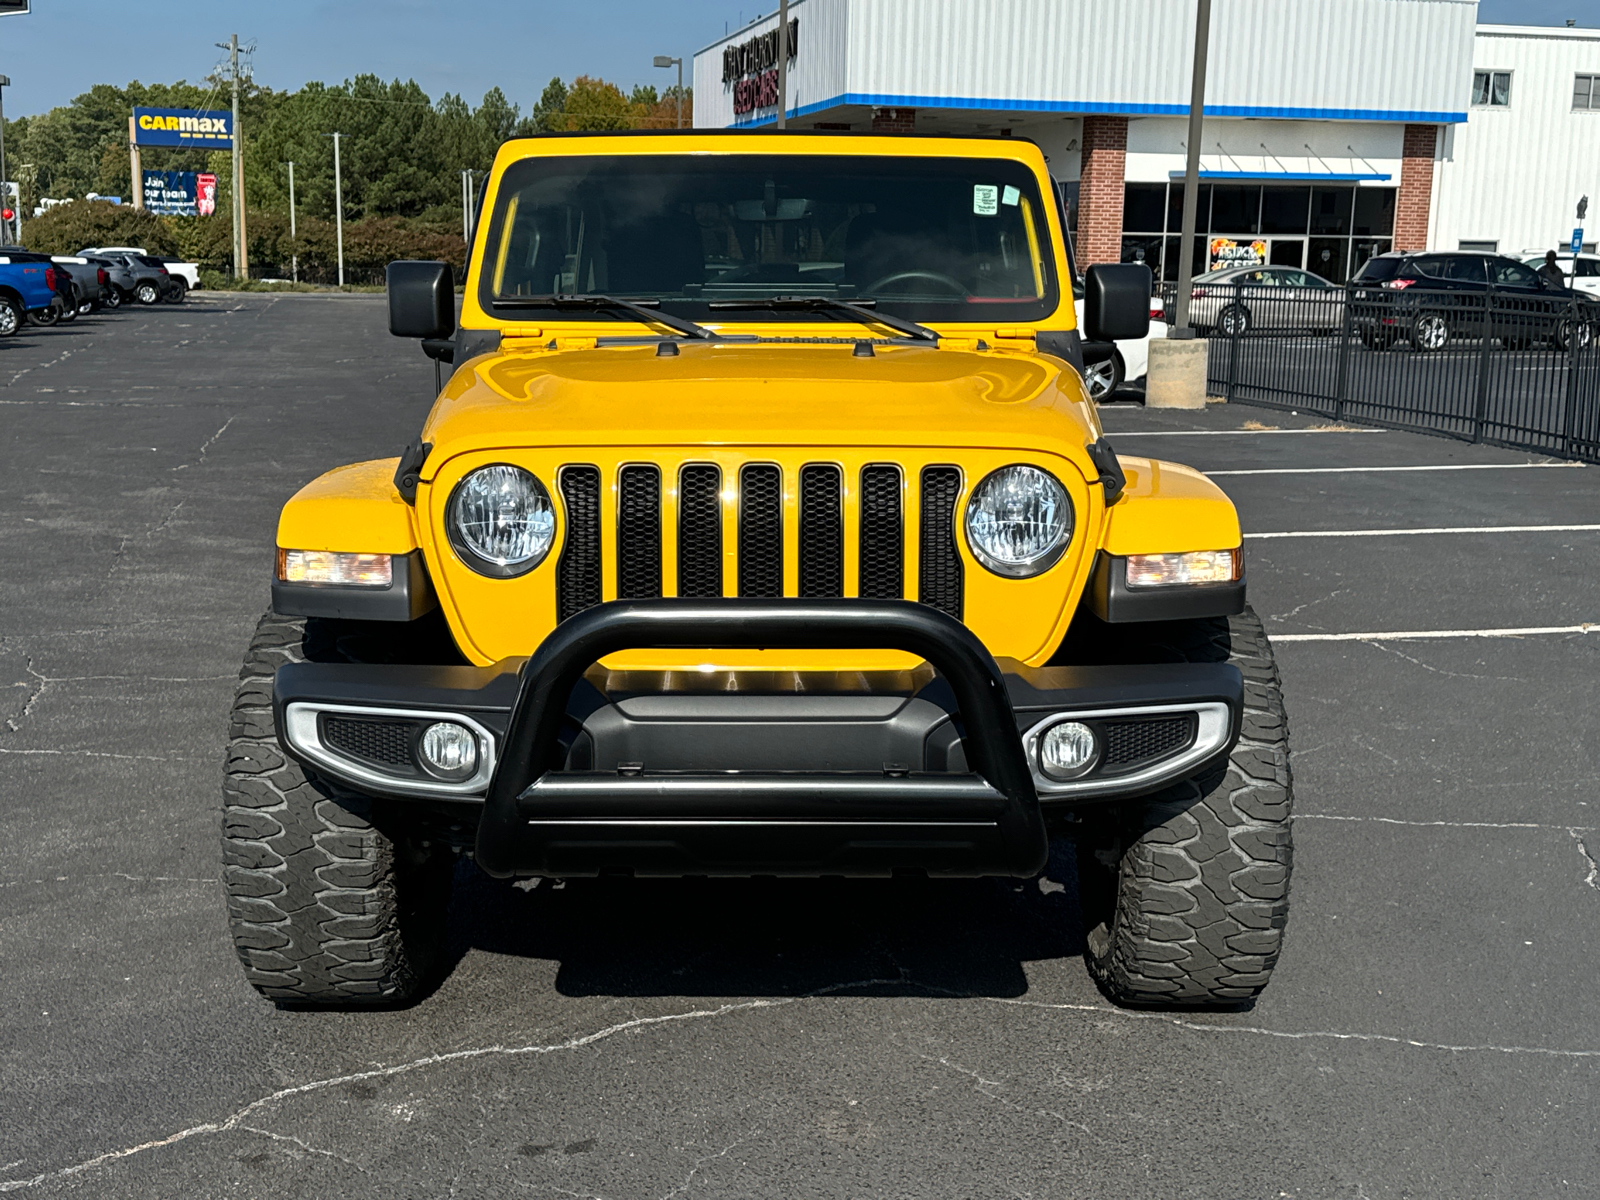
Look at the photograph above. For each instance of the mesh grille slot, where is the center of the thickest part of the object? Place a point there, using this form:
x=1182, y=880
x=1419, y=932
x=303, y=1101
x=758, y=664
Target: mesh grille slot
x=639, y=533
x=939, y=573
x=821, y=532
x=699, y=531
x=387, y=743
x=761, y=532
x=1128, y=742
x=578, y=568
x=882, y=554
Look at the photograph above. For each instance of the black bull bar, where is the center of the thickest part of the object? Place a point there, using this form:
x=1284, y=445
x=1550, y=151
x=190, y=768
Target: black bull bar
x=540, y=818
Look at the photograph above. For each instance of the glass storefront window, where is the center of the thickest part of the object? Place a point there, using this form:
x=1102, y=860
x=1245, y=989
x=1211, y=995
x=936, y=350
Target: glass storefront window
x=1330, y=209
x=1331, y=229
x=1374, y=212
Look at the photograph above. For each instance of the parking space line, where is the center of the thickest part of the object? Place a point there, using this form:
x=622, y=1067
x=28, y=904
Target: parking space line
x=1437, y=467
x=1409, y=635
x=1224, y=432
x=1334, y=533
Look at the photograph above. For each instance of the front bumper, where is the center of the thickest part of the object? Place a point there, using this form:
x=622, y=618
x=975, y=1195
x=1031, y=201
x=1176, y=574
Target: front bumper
x=584, y=771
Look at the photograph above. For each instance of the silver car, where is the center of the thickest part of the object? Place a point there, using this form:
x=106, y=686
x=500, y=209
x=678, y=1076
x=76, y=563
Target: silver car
x=1234, y=301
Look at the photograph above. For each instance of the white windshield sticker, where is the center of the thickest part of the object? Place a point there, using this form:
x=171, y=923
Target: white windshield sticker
x=1010, y=195
x=985, y=199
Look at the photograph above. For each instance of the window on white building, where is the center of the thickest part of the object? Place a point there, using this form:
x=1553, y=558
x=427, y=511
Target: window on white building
x=1586, y=92
x=1481, y=247
x=1491, y=89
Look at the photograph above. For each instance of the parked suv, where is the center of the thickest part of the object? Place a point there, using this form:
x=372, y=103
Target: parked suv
x=765, y=527
x=1426, y=299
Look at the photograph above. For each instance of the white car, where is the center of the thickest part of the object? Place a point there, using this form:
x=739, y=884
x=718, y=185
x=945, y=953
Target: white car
x=187, y=271
x=1130, y=362
x=1582, y=270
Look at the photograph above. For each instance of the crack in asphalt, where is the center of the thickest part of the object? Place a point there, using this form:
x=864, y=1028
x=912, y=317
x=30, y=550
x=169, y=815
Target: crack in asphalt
x=1592, y=879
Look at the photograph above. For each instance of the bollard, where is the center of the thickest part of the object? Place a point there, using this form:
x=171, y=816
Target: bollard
x=1177, y=377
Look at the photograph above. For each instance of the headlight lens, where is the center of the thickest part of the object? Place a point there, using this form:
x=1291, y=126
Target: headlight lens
x=500, y=520
x=1019, y=521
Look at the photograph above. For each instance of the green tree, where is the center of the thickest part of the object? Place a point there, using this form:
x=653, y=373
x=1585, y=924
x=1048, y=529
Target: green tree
x=550, y=114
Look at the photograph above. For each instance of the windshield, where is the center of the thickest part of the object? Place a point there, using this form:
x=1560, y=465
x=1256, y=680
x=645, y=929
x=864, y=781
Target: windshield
x=929, y=239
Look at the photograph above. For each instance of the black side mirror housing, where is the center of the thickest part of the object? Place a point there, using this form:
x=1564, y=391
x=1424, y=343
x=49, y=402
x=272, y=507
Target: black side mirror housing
x=422, y=299
x=1116, y=302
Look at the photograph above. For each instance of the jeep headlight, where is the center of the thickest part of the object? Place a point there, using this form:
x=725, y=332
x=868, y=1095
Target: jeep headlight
x=500, y=521
x=1019, y=521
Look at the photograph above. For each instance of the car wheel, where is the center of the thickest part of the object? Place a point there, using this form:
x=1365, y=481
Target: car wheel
x=113, y=298
x=1234, y=321
x=147, y=293
x=10, y=317
x=1103, y=377
x=1568, y=332
x=86, y=308
x=45, y=316
x=175, y=292
x=1429, y=332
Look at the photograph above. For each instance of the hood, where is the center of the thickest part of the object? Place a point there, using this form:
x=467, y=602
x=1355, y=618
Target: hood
x=784, y=394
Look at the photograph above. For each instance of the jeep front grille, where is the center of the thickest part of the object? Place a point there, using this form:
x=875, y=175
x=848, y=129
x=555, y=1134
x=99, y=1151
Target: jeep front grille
x=825, y=507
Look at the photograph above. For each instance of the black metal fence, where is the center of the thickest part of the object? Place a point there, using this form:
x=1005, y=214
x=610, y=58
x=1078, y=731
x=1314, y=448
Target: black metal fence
x=1509, y=368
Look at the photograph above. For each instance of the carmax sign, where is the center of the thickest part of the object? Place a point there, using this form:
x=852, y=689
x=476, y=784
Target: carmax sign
x=183, y=127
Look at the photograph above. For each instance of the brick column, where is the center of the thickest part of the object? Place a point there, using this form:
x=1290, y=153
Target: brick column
x=894, y=120
x=1105, y=151
x=1416, y=188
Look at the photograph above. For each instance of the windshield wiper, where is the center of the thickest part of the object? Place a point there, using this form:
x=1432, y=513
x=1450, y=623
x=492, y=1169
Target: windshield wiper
x=595, y=300
x=861, y=310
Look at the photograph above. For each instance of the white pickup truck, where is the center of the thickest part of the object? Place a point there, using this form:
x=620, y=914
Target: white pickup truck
x=187, y=271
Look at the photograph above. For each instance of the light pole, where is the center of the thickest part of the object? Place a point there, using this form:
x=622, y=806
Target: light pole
x=783, y=64
x=665, y=60
x=466, y=206
x=338, y=204
x=294, y=252
x=1191, y=173
x=5, y=82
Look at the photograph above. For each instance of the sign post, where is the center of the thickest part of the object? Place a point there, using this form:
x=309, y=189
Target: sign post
x=1577, y=241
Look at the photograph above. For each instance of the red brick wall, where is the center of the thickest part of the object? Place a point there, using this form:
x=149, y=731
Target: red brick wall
x=894, y=120
x=1105, y=150
x=1416, y=188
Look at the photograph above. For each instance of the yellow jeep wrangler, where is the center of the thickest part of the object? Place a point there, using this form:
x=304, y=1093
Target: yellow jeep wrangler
x=763, y=527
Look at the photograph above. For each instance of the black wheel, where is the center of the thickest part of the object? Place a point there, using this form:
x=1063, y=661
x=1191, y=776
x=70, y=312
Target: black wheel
x=1429, y=331
x=1234, y=321
x=10, y=317
x=45, y=316
x=68, y=314
x=334, y=898
x=1104, y=377
x=114, y=298
x=175, y=291
x=1567, y=331
x=146, y=292
x=87, y=307
x=1185, y=895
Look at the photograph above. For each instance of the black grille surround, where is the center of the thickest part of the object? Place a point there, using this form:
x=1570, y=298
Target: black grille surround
x=385, y=743
x=821, y=532
x=1132, y=742
x=700, y=531
x=578, y=568
x=940, y=576
x=761, y=531
x=639, y=533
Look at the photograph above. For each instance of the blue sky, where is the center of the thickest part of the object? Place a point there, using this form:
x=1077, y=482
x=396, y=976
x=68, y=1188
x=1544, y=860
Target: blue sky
x=466, y=46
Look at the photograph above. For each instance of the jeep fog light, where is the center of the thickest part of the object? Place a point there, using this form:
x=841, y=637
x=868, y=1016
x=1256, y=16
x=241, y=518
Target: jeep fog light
x=448, y=750
x=328, y=566
x=1199, y=566
x=1067, y=750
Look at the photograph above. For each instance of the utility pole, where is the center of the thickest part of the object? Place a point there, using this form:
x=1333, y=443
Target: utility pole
x=783, y=64
x=338, y=204
x=241, y=260
x=294, y=254
x=1191, y=174
x=5, y=82
x=666, y=60
x=466, y=206
x=135, y=166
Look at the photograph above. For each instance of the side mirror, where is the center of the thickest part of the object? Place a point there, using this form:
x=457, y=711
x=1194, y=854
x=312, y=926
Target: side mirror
x=422, y=299
x=1116, y=302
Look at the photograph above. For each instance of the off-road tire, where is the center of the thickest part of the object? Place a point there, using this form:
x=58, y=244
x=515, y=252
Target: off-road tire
x=332, y=899
x=1185, y=895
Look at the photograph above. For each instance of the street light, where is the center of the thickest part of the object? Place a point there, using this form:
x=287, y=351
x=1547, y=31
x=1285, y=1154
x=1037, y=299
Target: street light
x=1191, y=174
x=338, y=202
x=294, y=252
x=5, y=82
x=664, y=60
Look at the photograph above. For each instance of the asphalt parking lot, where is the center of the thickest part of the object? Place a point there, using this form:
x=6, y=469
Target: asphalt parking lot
x=1433, y=1029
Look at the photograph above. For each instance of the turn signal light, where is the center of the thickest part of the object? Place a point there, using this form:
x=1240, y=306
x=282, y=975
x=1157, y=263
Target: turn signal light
x=1199, y=566
x=334, y=567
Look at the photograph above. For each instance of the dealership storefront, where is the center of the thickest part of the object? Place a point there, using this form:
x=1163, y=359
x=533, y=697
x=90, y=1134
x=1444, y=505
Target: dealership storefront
x=1305, y=161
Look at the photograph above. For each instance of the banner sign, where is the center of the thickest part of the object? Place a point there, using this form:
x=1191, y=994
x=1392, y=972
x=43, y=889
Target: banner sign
x=1577, y=241
x=183, y=127
x=1225, y=253
x=180, y=193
